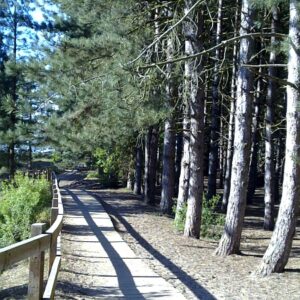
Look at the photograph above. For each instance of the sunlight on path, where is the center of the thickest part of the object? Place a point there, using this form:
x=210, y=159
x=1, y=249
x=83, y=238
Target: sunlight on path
x=97, y=263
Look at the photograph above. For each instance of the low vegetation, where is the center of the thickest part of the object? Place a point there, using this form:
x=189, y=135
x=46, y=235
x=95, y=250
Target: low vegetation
x=212, y=222
x=23, y=201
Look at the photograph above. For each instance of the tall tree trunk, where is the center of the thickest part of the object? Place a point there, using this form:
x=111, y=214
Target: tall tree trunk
x=278, y=252
x=255, y=142
x=168, y=171
x=230, y=140
x=194, y=89
x=159, y=167
x=230, y=241
x=129, y=183
x=138, y=170
x=278, y=168
x=30, y=156
x=207, y=108
x=269, y=144
x=222, y=143
x=215, y=114
x=150, y=164
x=179, y=142
x=13, y=117
x=185, y=163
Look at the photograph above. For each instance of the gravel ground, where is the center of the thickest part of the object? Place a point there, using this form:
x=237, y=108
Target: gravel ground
x=190, y=265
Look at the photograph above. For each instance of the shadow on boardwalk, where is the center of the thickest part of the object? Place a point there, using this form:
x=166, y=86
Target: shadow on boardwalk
x=186, y=279
x=125, y=280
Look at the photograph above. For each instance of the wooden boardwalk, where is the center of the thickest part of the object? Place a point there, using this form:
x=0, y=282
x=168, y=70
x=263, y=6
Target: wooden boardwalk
x=97, y=263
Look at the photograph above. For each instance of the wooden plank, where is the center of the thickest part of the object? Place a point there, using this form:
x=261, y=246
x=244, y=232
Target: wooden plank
x=51, y=283
x=54, y=230
x=52, y=253
x=58, y=246
x=22, y=250
x=36, y=267
x=60, y=208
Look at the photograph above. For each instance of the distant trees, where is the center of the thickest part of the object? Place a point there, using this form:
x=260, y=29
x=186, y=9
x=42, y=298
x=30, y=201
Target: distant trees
x=18, y=102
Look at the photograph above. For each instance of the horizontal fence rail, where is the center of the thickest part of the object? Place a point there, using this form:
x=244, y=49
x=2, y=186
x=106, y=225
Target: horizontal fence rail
x=35, y=247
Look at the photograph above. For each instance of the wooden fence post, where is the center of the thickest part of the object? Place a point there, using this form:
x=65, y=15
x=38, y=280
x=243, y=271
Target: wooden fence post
x=36, y=267
x=55, y=200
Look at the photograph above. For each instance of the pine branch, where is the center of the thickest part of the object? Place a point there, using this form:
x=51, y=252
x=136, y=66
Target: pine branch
x=166, y=32
x=220, y=45
x=265, y=66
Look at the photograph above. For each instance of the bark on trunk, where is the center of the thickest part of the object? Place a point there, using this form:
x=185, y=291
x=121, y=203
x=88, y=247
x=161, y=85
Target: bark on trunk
x=168, y=171
x=185, y=164
x=269, y=179
x=230, y=241
x=215, y=115
x=11, y=159
x=13, y=116
x=229, y=151
x=280, y=245
x=30, y=156
x=255, y=143
x=194, y=90
x=179, y=141
x=130, y=184
x=138, y=170
x=150, y=164
x=222, y=147
x=278, y=168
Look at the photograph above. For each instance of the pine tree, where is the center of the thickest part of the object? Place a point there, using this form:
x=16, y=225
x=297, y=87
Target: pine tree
x=230, y=241
x=19, y=35
x=277, y=254
x=194, y=89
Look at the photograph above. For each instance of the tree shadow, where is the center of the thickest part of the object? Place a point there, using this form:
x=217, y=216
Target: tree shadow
x=186, y=279
x=125, y=279
x=292, y=270
x=71, y=291
x=16, y=292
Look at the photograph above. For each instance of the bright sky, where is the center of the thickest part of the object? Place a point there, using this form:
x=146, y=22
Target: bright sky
x=38, y=15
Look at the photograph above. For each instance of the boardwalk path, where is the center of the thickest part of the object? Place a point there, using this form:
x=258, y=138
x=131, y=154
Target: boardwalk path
x=97, y=263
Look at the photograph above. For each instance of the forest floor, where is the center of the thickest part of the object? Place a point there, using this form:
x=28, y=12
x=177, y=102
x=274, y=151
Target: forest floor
x=188, y=264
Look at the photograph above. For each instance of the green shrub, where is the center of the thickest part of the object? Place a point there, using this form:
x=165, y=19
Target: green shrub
x=211, y=222
x=179, y=221
x=56, y=157
x=92, y=175
x=23, y=202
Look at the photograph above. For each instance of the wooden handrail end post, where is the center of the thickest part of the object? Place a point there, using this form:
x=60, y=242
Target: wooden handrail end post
x=36, y=267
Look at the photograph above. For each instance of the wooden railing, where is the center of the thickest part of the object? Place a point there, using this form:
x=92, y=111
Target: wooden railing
x=34, y=248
